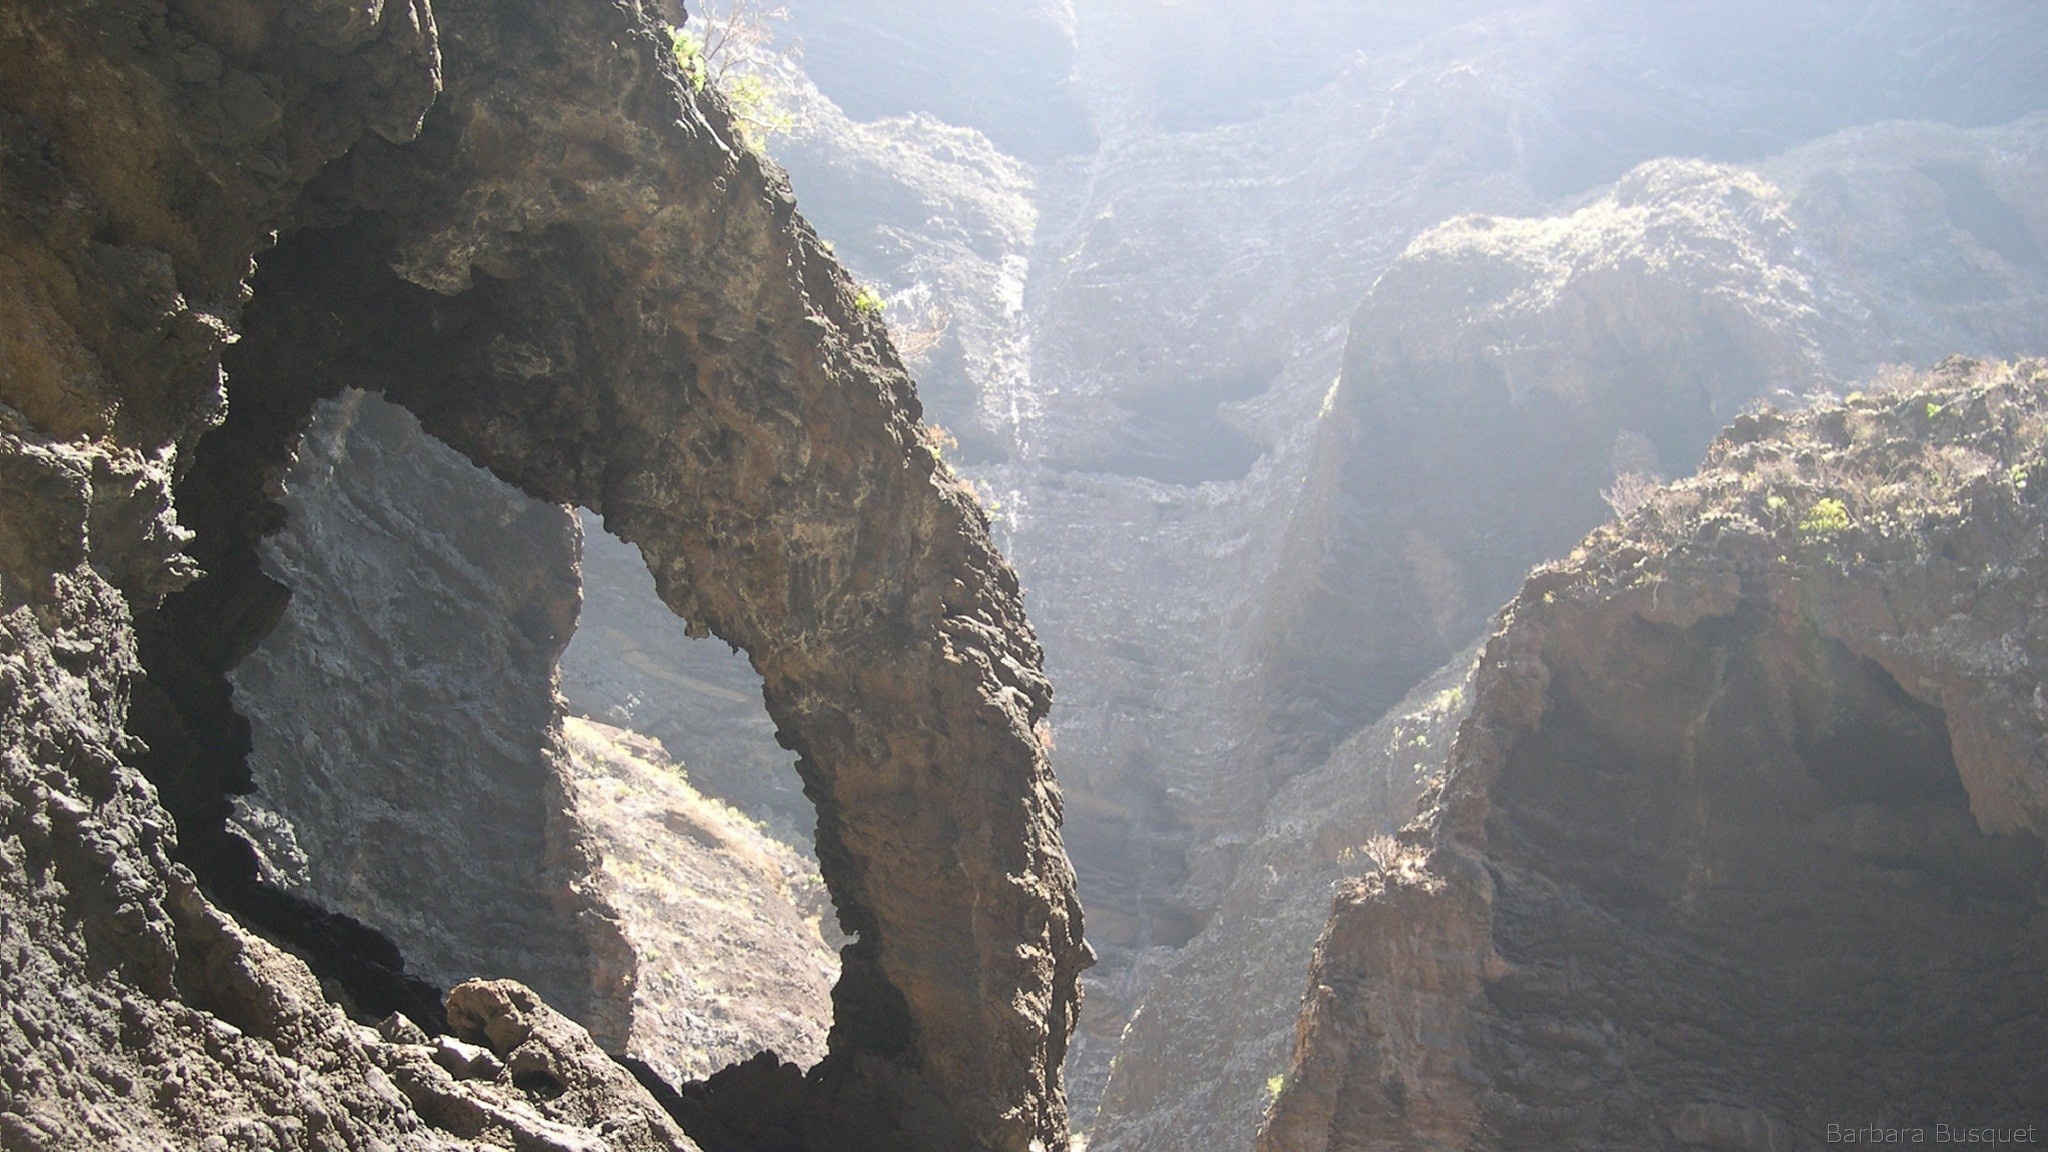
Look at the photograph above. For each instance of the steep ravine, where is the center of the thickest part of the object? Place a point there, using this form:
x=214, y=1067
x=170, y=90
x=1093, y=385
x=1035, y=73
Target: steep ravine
x=1741, y=839
x=555, y=254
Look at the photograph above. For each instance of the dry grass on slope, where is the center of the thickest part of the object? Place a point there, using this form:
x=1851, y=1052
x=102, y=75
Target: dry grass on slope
x=1868, y=479
x=723, y=919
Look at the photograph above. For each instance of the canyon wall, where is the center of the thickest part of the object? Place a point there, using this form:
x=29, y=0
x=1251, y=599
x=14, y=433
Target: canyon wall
x=558, y=255
x=402, y=710
x=1741, y=838
x=1512, y=380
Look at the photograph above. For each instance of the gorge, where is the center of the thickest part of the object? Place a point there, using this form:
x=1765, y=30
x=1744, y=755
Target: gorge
x=462, y=521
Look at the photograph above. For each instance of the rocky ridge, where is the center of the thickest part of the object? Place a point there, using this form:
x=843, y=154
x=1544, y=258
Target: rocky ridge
x=1756, y=773
x=1208, y=1048
x=1503, y=373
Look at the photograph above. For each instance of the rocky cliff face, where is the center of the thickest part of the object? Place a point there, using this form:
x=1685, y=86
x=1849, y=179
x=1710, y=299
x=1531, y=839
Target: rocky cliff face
x=1506, y=374
x=1742, y=836
x=1202, y=1057
x=721, y=920
x=402, y=711
x=1503, y=375
x=552, y=251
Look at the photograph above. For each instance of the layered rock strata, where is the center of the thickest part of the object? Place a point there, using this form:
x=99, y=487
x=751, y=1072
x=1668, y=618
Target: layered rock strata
x=1741, y=839
x=577, y=277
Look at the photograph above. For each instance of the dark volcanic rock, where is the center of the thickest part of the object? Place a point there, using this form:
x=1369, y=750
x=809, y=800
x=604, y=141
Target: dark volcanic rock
x=1742, y=836
x=575, y=276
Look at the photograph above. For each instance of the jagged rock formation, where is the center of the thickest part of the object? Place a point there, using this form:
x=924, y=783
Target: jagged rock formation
x=945, y=221
x=1188, y=309
x=1742, y=836
x=404, y=724
x=552, y=251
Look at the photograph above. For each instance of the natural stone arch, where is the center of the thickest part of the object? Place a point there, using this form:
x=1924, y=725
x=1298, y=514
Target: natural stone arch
x=604, y=301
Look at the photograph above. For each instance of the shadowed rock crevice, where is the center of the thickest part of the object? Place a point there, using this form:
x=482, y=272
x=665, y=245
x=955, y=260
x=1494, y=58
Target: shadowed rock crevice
x=183, y=711
x=1732, y=815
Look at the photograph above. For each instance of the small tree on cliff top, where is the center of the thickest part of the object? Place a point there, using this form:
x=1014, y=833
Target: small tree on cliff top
x=731, y=45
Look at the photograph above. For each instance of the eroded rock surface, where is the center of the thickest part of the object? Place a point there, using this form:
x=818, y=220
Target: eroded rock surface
x=1742, y=836
x=556, y=253
x=1505, y=377
x=1504, y=374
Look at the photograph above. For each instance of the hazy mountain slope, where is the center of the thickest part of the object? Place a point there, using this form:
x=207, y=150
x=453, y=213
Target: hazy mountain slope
x=1504, y=372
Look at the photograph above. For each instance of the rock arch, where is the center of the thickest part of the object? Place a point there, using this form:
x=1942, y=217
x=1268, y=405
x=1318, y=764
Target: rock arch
x=578, y=277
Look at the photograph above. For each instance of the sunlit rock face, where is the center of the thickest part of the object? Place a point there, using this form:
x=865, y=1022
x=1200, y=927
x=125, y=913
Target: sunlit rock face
x=720, y=921
x=1202, y=1057
x=1742, y=836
